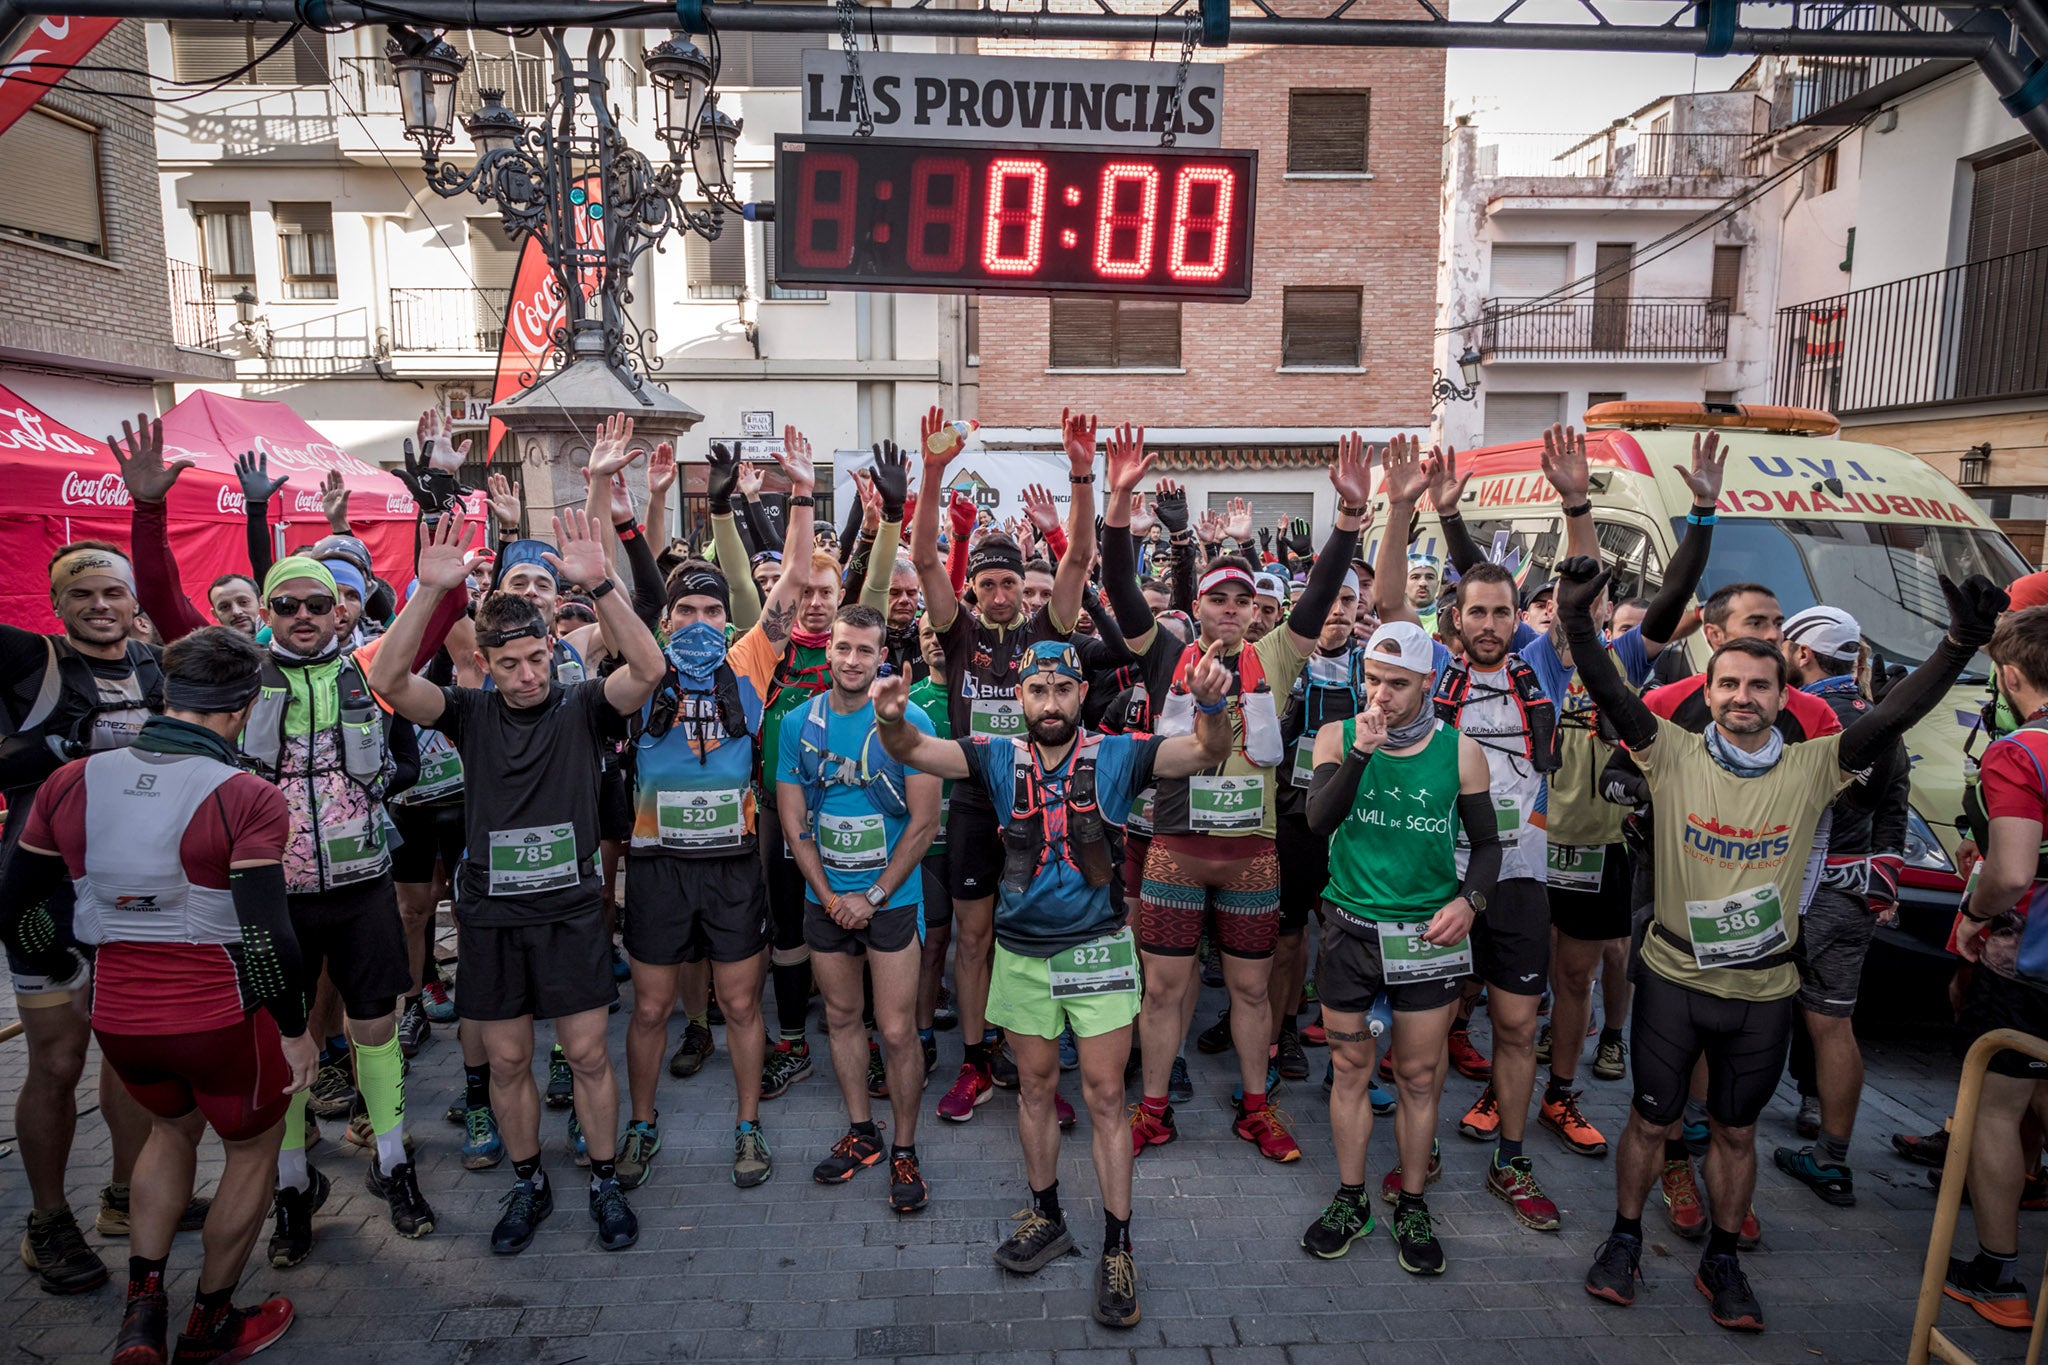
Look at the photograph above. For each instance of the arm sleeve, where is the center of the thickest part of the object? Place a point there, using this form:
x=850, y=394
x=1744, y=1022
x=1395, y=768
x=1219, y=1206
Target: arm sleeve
x=270, y=950
x=854, y=576
x=26, y=885
x=1633, y=721
x=1183, y=551
x=649, y=595
x=1459, y=546
x=1681, y=580
x=850, y=532
x=1482, y=872
x=759, y=523
x=956, y=564
x=874, y=590
x=1120, y=582
x=1056, y=541
x=1888, y=823
x=447, y=612
x=1313, y=607
x=1912, y=697
x=158, y=589
x=739, y=571
x=1331, y=792
x=258, y=518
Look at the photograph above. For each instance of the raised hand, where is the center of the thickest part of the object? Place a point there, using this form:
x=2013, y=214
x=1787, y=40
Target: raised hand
x=1039, y=506
x=1265, y=540
x=1298, y=539
x=890, y=696
x=795, y=459
x=143, y=469
x=334, y=502
x=1405, y=474
x=1209, y=679
x=722, y=477
x=1446, y=484
x=436, y=432
x=661, y=469
x=928, y=427
x=1126, y=460
x=1580, y=581
x=892, y=480
x=1143, y=518
x=750, y=482
x=582, y=562
x=504, y=500
x=252, y=471
x=1973, y=609
x=434, y=487
x=1564, y=463
x=1709, y=463
x=1172, y=505
x=613, y=449
x=1077, y=434
x=440, y=563
x=870, y=501
x=1210, y=528
x=621, y=496
x=1237, y=520
x=962, y=515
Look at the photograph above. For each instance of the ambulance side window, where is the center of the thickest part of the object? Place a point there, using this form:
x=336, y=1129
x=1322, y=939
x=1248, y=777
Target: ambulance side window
x=1638, y=568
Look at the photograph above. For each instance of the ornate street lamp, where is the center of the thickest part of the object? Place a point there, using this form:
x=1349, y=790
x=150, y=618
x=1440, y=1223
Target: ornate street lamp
x=1444, y=391
x=683, y=74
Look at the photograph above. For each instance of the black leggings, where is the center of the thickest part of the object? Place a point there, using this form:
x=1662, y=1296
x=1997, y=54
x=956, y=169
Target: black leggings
x=1744, y=1042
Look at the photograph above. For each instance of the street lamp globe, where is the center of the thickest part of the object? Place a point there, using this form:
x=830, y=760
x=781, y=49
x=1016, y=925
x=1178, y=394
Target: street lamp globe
x=245, y=305
x=712, y=155
x=1468, y=366
x=426, y=69
x=493, y=127
x=683, y=73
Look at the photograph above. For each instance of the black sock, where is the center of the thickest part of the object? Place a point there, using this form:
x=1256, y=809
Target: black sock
x=1290, y=1025
x=1991, y=1268
x=1352, y=1194
x=601, y=1171
x=1116, y=1233
x=412, y=1001
x=1408, y=1201
x=1558, y=1090
x=976, y=1053
x=1609, y=1035
x=867, y=1129
x=792, y=996
x=1047, y=1202
x=1627, y=1227
x=146, y=1275
x=529, y=1169
x=1721, y=1243
x=1676, y=1150
x=209, y=1311
x=903, y=1153
x=476, y=1086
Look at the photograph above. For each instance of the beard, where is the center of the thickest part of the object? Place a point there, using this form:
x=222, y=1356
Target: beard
x=1052, y=729
x=1486, y=651
x=1742, y=721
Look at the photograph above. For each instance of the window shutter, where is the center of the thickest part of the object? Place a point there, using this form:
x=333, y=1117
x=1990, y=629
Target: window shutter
x=1521, y=416
x=61, y=160
x=717, y=269
x=1328, y=130
x=1320, y=327
x=1083, y=334
x=775, y=289
x=2009, y=204
x=1727, y=286
x=1594, y=400
x=1527, y=272
x=207, y=49
x=778, y=58
x=493, y=256
x=1147, y=335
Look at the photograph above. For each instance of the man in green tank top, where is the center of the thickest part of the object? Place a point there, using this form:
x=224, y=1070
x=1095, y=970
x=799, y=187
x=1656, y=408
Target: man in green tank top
x=1390, y=791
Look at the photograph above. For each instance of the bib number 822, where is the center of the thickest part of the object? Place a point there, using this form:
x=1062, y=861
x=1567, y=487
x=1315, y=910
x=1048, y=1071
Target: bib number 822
x=1094, y=955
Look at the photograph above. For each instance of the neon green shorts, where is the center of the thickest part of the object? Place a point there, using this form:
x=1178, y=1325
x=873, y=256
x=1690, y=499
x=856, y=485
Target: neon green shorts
x=1020, y=999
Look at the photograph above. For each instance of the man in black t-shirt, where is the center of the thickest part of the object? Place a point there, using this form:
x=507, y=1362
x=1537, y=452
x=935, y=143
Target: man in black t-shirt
x=533, y=940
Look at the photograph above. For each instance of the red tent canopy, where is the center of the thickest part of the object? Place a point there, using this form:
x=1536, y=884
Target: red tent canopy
x=59, y=485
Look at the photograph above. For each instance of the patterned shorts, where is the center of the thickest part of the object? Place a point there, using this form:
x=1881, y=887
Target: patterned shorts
x=1180, y=891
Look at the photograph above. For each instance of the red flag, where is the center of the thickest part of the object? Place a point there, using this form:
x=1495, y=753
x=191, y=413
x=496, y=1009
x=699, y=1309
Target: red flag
x=58, y=43
x=533, y=313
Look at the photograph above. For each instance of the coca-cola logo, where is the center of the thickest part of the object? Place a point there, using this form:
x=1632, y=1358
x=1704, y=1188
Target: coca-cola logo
x=22, y=429
x=88, y=490
x=532, y=319
x=228, y=502
x=399, y=504
x=304, y=501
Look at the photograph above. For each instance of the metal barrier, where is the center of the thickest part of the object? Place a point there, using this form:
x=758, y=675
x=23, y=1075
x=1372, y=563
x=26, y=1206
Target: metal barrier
x=1929, y=1342
x=12, y=1031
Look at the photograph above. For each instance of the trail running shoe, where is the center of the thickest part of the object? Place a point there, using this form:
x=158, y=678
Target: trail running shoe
x=1037, y=1242
x=1697, y=1137
x=1610, y=1063
x=438, y=1003
x=1683, y=1209
x=787, y=1064
x=691, y=1054
x=907, y=1191
x=852, y=1154
x=112, y=1219
x=482, y=1148
x=878, y=1073
x=752, y=1162
x=1750, y=1235
x=1543, y=1046
x=1266, y=1128
x=1314, y=1035
x=291, y=1237
x=930, y=1048
x=971, y=1087
x=1806, y=1123
x=2003, y=1305
x=55, y=1249
x=145, y=1327
x=526, y=1208
x=1834, y=1184
x=334, y=1089
x=617, y=1227
x=1236, y=1100
x=1482, y=1121
x=1563, y=1118
x=457, y=1113
x=561, y=1091
x=1415, y=1241
x=1341, y=1224
x=1215, y=1038
x=1931, y=1150
x=1180, y=1086
x=1151, y=1130
x=1063, y=1113
x=945, y=1014
x=1292, y=1061
x=1116, y=1289
x=411, y=1215
x=636, y=1153
x=414, y=1030
x=1617, y=1265
x=1390, y=1188
x=1384, y=1101
x=241, y=1334
x=1070, y=1051
x=1470, y=1062
x=1212, y=967
x=579, y=1149
x=1002, y=1067
x=1730, y=1301
x=1515, y=1184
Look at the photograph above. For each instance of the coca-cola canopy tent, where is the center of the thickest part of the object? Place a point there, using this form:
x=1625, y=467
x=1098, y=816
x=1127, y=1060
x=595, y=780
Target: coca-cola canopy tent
x=58, y=485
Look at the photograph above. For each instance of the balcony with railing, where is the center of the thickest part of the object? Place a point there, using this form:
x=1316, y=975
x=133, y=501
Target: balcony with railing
x=1589, y=329
x=1968, y=334
x=455, y=319
x=1617, y=154
x=195, y=317
x=1837, y=90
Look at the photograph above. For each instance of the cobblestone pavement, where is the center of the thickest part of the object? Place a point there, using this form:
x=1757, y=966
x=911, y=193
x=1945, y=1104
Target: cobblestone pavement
x=794, y=1271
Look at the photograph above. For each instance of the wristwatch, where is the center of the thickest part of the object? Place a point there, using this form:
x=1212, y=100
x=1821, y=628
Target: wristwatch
x=1477, y=900
x=877, y=897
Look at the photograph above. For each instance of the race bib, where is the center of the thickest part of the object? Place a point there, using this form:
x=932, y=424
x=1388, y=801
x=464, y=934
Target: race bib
x=1227, y=803
x=945, y=812
x=1304, y=760
x=853, y=843
x=1406, y=959
x=1107, y=966
x=996, y=717
x=526, y=861
x=1139, y=821
x=1731, y=930
x=1571, y=868
x=355, y=849
x=440, y=774
x=701, y=820
x=1507, y=821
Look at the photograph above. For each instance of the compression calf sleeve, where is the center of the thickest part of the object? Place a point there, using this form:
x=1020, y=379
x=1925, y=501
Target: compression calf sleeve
x=380, y=1075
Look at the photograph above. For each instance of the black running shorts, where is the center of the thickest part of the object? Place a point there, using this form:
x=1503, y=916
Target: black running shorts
x=1511, y=941
x=1350, y=974
x=690, y=909
x=1744, y=1042
x=355, y=935
x=890, y=931
x=427, y=834
x=546, y=971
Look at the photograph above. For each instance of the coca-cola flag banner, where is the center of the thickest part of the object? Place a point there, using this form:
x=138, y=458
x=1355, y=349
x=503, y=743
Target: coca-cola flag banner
x=58, y=43
x=534, y=311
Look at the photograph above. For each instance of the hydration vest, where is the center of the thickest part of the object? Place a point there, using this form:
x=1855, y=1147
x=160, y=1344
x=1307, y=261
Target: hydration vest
x=358, y=726
x=61, y=722
x=333, y=773
x=1539, y=713
x=665, y=709
x=1262, y=745
x=1316, y=696
x=872, y=770
x=813, y=678
x=135, y=889
x=1085, y=841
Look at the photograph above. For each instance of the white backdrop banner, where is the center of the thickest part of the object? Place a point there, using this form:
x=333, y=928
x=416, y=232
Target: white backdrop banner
x=994, y=479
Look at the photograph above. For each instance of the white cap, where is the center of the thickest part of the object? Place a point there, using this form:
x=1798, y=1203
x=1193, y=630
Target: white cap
x=1404, y=645
x=1270, y=585
x=1828, y=631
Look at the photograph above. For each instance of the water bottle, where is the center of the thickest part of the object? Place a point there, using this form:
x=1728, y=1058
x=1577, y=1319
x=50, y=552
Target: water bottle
x=1380, y=1017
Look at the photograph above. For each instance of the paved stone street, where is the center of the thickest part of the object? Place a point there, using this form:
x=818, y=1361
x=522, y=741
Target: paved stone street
x=795, y=1271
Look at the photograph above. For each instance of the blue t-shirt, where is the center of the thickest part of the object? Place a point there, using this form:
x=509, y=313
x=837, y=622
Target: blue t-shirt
x=1560, y=681
x=847, y=819
x=1059, y=909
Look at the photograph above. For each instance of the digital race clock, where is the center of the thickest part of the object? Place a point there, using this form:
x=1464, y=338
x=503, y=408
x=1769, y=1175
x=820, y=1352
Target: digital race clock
x=866, y=213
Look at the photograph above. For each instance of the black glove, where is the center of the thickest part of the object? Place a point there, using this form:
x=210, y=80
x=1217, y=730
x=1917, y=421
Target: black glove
x=435, y=490
x=1297, y=539
x=1173, y=511
x=723, y=479
x=1579, y=583
x=1626, y=789
x=1266, y=541
x=253, y=470
x=892, y=479
x=1973, y=609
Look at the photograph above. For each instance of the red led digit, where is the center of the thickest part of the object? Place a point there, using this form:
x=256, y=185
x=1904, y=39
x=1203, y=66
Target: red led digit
x=826, y=189
x=1013, y=231
x=1201, y=224
x=1125, y=219
x=938, y=213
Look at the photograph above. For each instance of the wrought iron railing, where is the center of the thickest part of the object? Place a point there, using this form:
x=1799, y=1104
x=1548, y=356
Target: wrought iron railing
x=1594, y=329
x=447, y=320
x=195, y=318
x=1813, y=86
x=1618, y=154
x=1962, y=335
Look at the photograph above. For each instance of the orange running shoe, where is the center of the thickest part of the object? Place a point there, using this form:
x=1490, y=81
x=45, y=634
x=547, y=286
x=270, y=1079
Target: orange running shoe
x=1563, y=1118
x=1482, y=1121
x=1682, y=1206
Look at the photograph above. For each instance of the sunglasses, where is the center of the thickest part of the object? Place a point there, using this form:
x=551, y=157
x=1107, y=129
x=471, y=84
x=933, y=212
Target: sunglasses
x=319, y=604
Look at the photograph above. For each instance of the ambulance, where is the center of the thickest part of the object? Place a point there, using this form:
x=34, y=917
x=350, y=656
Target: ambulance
x=1866, y=528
